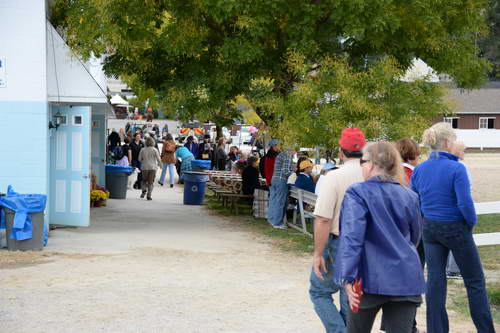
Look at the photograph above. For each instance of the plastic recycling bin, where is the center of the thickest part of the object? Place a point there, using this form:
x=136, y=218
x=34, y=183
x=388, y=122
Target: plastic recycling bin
x=117, y=180
x=35, y=243
x=22, y=217
x=200, y=165
x=194, y=187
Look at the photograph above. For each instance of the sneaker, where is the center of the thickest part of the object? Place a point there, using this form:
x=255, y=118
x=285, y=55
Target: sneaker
x=149, y=198
x=143, y=194
x=281, y=226
x=160, y=183
x=171, y=185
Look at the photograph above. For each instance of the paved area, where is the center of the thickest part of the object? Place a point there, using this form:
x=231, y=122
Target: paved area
x=159, y=266
x=156, y=266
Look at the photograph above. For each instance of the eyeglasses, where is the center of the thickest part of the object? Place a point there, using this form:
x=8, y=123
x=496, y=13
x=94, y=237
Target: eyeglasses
x=362, y=161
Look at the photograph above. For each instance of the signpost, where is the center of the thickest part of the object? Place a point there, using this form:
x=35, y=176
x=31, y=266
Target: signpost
x=3, y=82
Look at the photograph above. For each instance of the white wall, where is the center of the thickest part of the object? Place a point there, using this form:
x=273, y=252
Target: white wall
x=22, y=44
x=23, y=102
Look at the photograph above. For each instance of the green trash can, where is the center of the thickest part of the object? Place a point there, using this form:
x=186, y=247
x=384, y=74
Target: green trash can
x=35, y=243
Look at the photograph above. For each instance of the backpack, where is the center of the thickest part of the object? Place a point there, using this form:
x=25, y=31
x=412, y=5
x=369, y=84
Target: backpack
x=118, y=153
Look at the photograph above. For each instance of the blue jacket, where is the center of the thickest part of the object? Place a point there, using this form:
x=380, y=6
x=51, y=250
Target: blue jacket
x=193, y=148
x=305, y=182
x=444, y=189
x=380, y=226
x=183, y=153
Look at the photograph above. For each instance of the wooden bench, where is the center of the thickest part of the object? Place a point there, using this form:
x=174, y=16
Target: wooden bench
x=302, y=197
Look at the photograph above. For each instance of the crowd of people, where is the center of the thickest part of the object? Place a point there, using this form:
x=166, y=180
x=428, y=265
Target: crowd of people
x=380, y=218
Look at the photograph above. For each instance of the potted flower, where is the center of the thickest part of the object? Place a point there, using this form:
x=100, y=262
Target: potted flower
x=98, y=198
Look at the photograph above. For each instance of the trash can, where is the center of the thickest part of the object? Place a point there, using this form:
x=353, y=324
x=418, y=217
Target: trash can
x=23, y=218
x=35, y=243
x=201, y=165
x=117, y=180
x=194, y=187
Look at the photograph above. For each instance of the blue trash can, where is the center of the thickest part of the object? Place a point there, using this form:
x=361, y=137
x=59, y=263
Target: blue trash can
x=117, y=180
x=200, y=165
x=194, y=187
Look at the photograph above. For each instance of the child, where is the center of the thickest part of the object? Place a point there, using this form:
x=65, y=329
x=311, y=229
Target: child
x=304, y=179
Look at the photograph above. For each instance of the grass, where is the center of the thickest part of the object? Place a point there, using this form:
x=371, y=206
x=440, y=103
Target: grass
x=289, y=240
x=487, y=223
x=457, y=299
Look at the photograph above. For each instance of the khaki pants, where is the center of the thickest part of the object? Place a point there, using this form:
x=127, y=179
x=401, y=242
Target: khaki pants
x=148, y=179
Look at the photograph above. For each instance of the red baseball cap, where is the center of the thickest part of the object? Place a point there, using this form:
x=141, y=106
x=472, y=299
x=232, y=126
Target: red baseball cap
x=352, y=139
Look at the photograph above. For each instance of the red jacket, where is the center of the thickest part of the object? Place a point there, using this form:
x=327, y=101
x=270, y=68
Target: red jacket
x=269, y=165
x=408, y=173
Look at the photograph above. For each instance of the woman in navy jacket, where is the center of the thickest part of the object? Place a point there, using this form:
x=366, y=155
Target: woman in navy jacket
x=449, y=216
x=380, y=227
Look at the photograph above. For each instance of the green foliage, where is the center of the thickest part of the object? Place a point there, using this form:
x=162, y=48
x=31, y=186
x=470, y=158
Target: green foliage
x=199, y=55
x=487, y=223
x=490, y=45
x=335, y=96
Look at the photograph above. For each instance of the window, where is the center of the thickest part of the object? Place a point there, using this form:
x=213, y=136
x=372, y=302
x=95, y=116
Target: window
x=486, y=123
x=77, y=120
x=64, y=120
x=452, y=120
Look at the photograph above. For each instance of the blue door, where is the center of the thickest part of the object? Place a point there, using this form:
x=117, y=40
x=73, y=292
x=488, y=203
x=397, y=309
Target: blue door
x=69, y=199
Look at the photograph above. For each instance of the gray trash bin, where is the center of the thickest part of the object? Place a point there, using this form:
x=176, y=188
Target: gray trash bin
x=36, y=241
x=117, y=180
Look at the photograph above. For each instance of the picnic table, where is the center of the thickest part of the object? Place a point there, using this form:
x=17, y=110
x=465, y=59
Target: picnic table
x=227, y=187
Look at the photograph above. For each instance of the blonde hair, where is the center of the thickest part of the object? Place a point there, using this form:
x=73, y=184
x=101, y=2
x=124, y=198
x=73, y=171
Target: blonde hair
x=387, y=159
x=458, y=149
x=436, y=135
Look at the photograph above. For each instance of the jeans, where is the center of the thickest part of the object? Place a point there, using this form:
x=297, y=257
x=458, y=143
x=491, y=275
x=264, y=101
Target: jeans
x=321, y=292
x=398, y=315
x=278, y=194
x=171, y=171
x=439, y=239
x=137, y=164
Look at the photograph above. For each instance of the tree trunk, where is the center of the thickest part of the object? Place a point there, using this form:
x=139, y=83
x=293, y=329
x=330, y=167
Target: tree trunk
x=219, y=132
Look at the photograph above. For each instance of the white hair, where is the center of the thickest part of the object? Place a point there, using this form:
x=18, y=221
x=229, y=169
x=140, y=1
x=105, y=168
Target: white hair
x=435, y=136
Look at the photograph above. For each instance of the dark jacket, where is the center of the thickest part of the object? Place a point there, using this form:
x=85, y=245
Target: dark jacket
x=193, y=148
x=220, y=158
x=250, y=177
x=136, y=149
x=305, y=182
x=204, y=149
x=444, y=189
x=380, y=227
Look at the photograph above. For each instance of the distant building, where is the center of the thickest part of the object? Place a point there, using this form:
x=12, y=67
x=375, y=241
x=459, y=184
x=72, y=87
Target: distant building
x=476, y=115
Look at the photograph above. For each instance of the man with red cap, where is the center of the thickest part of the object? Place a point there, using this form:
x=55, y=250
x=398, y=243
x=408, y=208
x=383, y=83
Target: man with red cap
x=326, y=231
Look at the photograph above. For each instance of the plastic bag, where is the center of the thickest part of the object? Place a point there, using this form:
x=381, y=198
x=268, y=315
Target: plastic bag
x=22, y=205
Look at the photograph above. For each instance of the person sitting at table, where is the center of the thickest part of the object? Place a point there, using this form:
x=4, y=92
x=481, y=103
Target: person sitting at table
x=250, y=177
x=304, y=179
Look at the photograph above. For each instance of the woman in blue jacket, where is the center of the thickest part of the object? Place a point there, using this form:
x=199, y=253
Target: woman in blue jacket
x=449, y=216
x=380, y=227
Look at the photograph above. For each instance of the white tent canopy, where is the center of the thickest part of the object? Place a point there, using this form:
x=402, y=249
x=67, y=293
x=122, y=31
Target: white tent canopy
x=420, y=70
x=119, y=101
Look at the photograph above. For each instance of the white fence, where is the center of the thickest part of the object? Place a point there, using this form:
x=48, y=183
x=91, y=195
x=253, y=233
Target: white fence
x=492, y=238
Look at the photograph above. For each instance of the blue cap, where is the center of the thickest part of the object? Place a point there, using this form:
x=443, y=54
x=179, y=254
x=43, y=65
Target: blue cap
x=329, y=166
x=274, y=142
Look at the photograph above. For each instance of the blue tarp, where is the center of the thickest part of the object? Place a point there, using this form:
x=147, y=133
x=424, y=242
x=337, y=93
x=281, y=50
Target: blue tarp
x=113, y=168
x=23, y=205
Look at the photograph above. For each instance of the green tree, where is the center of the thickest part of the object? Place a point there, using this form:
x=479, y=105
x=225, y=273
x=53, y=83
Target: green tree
x=490, y=45
x=200, y=54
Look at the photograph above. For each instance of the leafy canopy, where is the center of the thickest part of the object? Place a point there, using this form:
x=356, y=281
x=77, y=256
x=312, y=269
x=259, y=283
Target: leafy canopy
x=199, y=55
